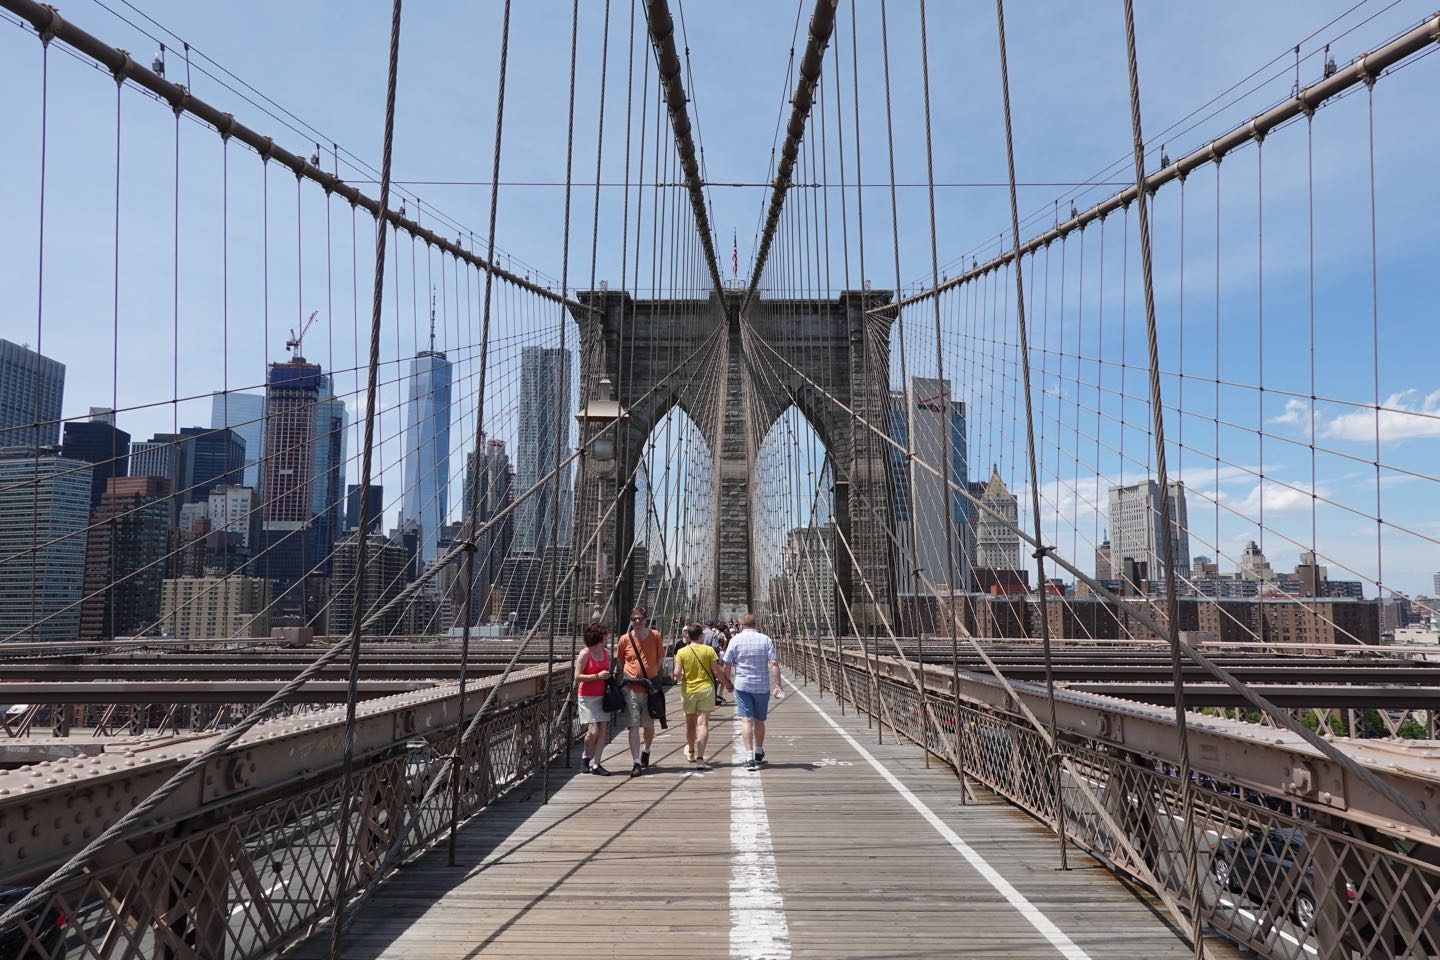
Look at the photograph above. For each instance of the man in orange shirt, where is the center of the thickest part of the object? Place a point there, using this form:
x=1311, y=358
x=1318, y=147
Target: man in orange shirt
x=642, y=653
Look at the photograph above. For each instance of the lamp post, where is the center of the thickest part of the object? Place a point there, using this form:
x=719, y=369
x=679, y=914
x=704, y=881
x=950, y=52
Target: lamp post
x=599, y=423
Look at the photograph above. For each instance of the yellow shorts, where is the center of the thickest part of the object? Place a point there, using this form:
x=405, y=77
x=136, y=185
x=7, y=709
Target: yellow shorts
x=702, y=701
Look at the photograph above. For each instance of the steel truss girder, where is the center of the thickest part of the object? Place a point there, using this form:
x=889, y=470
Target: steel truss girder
x=1102, y=669
x=50, y=810
x=199, y=691
x=1272, y=761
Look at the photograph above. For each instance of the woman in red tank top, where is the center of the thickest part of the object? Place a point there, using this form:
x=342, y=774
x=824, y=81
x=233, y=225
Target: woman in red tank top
x=592, y=669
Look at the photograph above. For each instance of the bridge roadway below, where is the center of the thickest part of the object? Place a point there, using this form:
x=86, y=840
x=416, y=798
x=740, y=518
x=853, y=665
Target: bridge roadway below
x=839, y=847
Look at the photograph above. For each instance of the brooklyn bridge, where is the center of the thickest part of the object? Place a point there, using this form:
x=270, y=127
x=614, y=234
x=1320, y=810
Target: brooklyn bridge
x=1066, y=415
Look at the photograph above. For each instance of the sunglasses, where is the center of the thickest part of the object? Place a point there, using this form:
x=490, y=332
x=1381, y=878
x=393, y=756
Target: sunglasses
x=637, y=619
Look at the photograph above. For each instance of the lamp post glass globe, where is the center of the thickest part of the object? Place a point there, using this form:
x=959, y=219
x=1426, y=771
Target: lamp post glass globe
x=603, y=449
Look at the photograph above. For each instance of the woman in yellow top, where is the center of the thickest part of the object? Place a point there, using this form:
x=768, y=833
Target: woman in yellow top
x=696, y=674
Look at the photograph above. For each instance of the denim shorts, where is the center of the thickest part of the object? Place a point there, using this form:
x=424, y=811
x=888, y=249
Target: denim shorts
x=753, y=705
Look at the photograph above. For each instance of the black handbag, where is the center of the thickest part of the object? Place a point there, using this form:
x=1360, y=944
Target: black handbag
x=612, y=700
x=655, y=700
x=612, y=697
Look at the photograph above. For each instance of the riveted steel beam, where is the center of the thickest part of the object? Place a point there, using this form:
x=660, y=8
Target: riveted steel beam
x=1266, y=759
x=1297, y=696
x=1102, y=669
x=197, y=691
x=48, y=811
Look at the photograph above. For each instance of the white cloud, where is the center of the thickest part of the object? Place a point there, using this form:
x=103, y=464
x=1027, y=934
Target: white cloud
x=1273, y=497
x=1296, y=415
x=1401, y=418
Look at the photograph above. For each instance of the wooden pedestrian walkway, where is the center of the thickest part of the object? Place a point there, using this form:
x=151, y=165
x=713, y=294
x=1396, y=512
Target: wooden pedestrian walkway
x=839, y=847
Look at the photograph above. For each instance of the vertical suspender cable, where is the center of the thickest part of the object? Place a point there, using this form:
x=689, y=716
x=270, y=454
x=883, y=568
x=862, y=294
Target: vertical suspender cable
x=1374, y=331
x=40, y=311
x=1157, y=413
x=850, y=346
x=560, y=412
x=367, y=455
x=667, y=62
x=473, y=509
x=946, y=428
x=871, y=444
x=590, y=342
x=1040, y=549
x=914, y=578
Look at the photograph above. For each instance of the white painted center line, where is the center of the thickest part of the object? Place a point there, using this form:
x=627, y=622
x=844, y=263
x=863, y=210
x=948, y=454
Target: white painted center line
x=1253, y=918
x=758, y=930
x=245, y=905
x=1015, y=898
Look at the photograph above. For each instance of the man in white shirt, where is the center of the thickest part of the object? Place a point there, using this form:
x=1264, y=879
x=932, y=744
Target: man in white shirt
x=753, y=671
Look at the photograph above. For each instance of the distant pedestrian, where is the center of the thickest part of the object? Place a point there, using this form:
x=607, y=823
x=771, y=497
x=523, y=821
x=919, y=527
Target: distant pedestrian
x=715, y=640
x=641, y=651
x=592, y=670
x=696, y=673
x=753, y=670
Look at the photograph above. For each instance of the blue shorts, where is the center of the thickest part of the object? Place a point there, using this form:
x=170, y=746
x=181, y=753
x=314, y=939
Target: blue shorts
x=753, y=705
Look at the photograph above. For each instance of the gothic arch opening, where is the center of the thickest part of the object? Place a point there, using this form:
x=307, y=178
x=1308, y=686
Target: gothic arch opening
x=794, y=542
x=673, y=562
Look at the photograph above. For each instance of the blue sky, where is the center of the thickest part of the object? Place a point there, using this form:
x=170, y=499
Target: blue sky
x=324, y=63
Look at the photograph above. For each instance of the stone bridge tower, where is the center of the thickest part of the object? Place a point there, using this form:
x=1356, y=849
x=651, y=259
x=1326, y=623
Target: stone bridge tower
x=824, y=357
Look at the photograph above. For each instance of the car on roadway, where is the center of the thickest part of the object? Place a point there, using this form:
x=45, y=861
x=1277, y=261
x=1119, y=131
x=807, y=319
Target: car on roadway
x=1264, y=866
x=47, y=928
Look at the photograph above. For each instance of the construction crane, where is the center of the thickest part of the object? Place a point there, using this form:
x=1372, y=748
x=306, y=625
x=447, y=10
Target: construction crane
x=293, y=344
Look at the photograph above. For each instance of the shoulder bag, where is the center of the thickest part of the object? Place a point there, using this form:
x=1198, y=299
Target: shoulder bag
x=612, y=699
x=655, y=701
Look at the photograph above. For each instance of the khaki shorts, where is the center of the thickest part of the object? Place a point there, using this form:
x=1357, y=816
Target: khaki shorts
x=702, y=701
x=637, y=708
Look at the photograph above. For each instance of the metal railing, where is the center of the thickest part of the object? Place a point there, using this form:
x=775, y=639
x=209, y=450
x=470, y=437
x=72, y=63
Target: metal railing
x=1287, y=880
x=251, y=878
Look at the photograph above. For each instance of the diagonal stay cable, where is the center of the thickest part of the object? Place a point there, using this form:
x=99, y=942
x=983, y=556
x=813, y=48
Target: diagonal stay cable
x=362, y=541
x=560, y=412
x=1045, y=733
x=80, y=860
x=442, y=781
x=1021, y=326
x=467, y=543
x=1330, y=751
x=448, y=557
x=1157, y=411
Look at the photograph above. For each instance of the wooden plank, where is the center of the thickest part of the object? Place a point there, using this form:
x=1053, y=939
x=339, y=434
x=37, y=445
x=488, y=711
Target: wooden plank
x=643, y=868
